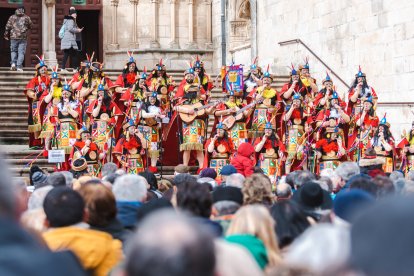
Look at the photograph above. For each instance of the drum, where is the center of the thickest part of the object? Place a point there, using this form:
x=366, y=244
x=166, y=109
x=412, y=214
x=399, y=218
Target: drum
x=272, y=168
x=217, y=164
x=135, y=164
x=238, y=134
x=67, y=135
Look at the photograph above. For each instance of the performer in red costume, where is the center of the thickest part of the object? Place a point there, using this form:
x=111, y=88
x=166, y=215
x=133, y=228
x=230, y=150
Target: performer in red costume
x=35, y=91
x=271, y=153
x=365, y=125
x=85, y=148
x=130, y=149
x=359, y=92
x=330, y=150
x=220, y=148
x=103, y=114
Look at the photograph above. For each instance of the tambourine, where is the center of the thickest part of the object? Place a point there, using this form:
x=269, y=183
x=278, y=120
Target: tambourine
x=104, y=117
x=297, y=121
x=331, y=154
x=221, y=149
x=164, y=90
x=92, y=155
x=270, y=152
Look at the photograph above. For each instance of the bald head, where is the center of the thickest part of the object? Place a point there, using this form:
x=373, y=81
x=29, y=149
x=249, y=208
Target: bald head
x=171, y=244
x=283, y=191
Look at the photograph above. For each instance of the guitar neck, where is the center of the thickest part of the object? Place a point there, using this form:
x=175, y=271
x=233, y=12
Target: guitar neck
x=245, y=108
x=207, y=105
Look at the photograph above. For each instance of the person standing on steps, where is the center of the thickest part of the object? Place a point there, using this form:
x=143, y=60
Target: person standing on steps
x=68, y=44
x=16, y=31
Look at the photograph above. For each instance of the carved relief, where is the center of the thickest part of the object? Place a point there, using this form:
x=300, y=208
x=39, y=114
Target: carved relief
x=240, y=25
x=244, y=10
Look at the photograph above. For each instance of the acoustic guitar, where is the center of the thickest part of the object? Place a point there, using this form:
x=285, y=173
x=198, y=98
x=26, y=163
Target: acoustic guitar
x=199, y=110
x=231, y=119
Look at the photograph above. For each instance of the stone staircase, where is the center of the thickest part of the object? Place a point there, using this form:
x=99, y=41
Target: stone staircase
x=14, y=136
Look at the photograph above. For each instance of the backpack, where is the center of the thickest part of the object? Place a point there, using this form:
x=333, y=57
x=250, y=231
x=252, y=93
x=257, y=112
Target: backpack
x=62, y=31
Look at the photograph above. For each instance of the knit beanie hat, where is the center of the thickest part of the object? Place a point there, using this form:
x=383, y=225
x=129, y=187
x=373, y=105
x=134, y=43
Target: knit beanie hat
x=208, y=172
x=39, y=179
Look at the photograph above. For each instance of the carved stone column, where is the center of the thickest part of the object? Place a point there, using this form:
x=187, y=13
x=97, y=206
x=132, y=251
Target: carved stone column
x=114, y=43
x=134, y=43
x=49, y=40
x=209, y=43
x=191, y=44
x=173, y=43
x=154, y=39
x=253, y=13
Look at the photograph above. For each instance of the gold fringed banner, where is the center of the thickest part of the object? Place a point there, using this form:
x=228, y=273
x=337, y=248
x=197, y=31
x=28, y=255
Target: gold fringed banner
x=154, y=153
x=35, y=128
x=191, y=146
x=46, y=134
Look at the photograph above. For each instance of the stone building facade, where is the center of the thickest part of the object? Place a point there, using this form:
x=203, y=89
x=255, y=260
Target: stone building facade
x=376, y=34
x=172, y=29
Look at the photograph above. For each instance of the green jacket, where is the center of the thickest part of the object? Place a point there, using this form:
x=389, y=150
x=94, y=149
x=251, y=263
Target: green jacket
x=254, y=245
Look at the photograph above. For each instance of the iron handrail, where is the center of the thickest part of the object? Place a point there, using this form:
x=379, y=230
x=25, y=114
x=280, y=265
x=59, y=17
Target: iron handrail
x=297, y=40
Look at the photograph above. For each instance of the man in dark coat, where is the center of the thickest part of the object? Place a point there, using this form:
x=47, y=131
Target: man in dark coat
x=21, y=253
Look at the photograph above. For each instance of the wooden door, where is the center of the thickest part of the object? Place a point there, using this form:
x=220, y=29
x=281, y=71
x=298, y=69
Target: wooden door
x=89, y=17
x=34, y=42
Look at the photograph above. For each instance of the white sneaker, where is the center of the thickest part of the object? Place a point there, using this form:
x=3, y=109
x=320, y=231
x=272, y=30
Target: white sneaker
x=20, y=69
x=13, y=67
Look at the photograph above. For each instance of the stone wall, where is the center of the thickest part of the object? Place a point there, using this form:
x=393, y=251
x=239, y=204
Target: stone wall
x=167, y=16
x=377, y=34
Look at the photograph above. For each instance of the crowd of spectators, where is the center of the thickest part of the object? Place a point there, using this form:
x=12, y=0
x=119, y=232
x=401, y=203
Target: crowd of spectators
x=345, y=221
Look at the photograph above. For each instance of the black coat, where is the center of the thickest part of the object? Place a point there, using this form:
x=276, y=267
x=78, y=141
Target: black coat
x=21, y=254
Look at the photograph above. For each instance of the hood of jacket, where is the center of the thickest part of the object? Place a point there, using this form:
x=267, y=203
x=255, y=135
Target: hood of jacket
x=90, y=246
x=245, y=149
x=127, y=213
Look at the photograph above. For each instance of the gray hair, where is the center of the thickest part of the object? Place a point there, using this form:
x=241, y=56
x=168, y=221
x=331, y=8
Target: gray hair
x=130, y=187
x=410, y=175
x=325, y=183
x=235, y=180
x=168, y=243
x=283, y=190
x=408, y=187
x=69, y=178
x=7, y=193
x=108, y=168
x=37, y=197
x=395, y=175
x=347, y=169
x=56, y=179
x=320, y=248
x=226, y=207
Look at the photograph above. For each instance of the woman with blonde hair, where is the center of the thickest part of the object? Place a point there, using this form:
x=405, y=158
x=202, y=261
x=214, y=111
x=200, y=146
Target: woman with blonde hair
x=253, y=227
x=257, y=189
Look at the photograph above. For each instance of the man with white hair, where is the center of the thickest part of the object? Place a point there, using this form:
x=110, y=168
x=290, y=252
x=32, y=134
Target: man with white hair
x=171, y=244
x=130, y=192
x=235, y=180
x=345, y=171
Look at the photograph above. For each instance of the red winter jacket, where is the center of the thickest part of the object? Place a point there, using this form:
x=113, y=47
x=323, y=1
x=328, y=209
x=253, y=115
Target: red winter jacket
x=242, y=161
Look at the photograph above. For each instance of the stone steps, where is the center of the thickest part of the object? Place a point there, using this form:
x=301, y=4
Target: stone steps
x=13, y=118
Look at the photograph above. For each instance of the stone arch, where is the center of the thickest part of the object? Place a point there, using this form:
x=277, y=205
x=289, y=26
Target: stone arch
x=244, y=10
